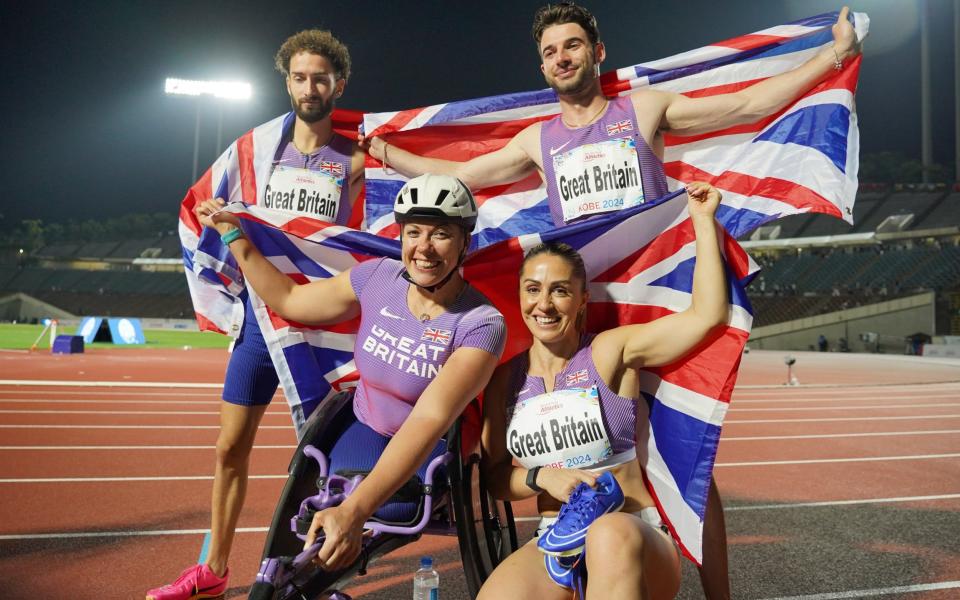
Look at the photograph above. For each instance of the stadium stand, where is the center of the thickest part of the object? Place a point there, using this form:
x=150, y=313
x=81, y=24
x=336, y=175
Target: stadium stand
x=812, y=263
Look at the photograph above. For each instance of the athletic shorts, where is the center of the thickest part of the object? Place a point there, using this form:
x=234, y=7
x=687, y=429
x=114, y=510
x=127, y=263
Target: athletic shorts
x=251, y=379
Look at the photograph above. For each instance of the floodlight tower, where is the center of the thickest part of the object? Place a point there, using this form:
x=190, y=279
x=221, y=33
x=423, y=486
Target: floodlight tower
x=227, y=90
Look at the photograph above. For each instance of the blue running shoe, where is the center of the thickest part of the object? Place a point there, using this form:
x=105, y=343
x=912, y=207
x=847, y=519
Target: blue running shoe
x=568, y=571
x=567, y=536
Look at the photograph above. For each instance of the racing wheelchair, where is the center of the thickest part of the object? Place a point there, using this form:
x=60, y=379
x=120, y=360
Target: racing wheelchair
x=447, y=496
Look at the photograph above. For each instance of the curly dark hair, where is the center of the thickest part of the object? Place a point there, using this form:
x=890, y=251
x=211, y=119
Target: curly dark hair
x=565, y=12
x=315, y=41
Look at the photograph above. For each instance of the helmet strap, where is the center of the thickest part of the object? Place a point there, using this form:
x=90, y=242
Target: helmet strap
x=430, y=288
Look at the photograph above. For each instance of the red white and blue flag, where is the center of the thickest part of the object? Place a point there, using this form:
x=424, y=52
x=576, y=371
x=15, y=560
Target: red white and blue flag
x=641, y=260
x=642, y=263
x=802, y=159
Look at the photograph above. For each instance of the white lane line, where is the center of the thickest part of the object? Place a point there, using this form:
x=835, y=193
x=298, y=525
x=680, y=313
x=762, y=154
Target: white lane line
x=124, y=479
x=752, y=438
x=284, y=476
x=72, y=448
x=10, y=411
x=902, y=589
x=784, y=390
x=811, y=461
x=833, y=419
x=843, y=502
x=93, y=401
x=876, y=401
x=159, y=384
x=859, y=407
x=138, y=393
x=47, y=426
x=844, y=386
x=102, y=534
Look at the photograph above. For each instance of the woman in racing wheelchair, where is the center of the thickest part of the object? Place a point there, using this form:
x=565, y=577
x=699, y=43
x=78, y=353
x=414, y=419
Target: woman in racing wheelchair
x=426, y=345
x=581, y=382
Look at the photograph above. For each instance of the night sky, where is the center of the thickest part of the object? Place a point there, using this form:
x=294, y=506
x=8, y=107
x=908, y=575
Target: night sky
x=89, y=133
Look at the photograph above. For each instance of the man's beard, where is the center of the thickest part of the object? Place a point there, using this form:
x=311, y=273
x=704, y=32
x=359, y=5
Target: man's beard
x=314, y=114
x=574, y=87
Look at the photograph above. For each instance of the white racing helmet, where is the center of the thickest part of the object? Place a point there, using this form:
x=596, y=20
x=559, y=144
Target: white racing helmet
x=436, y=198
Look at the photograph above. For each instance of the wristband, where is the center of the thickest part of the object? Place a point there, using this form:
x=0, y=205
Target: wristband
x=532, y=480
x=231, y=236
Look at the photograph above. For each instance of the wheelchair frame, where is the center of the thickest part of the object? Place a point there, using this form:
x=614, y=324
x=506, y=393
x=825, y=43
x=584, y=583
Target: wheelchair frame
x=458, y=504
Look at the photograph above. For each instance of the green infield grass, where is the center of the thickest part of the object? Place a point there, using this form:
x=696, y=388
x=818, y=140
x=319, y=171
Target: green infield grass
x=21, y=337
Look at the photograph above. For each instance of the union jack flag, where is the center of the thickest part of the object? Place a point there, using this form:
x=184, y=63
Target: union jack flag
x=441, y=336
x=578, y=377
x=641, y=260
x=802, y=159
x=641, y=264
x=619, y=127
x=331, y=167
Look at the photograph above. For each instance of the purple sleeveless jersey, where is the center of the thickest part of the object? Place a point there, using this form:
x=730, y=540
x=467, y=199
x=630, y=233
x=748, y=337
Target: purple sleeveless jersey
x=619, y=413
x=599, y=168
x=312, y=185
x=398, y=355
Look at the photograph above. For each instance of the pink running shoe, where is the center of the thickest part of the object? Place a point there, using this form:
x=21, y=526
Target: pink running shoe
x=195, y=583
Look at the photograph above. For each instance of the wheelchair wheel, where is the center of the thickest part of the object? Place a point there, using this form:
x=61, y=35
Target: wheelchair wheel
x=486, y=530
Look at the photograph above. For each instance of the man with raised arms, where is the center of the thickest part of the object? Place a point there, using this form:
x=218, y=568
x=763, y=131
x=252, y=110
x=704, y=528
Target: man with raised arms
x=602, y=154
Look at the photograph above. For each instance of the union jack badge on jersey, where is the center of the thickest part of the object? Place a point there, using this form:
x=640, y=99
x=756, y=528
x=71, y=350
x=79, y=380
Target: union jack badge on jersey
x=331, y=167
x=578, y=377
x=619, y=127
x=440, y=336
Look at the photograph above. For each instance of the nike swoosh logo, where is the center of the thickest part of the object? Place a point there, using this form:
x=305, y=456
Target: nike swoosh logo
x=558, y=148
x=387, y=313
x=523, y=391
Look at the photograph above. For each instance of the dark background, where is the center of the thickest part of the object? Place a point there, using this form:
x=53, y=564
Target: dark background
x=89, y=133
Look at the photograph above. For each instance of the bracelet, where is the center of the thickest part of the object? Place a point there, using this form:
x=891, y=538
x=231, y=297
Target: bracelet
x=837, y=63
x=532, y=480
x=231, y=236
x=386, y=167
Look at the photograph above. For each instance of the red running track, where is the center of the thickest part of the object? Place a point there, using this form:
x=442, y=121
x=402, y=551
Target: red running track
x=106, y=487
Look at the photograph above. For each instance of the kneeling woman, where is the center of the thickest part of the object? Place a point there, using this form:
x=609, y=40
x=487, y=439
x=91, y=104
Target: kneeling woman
x=401, y=303
x=628, y=554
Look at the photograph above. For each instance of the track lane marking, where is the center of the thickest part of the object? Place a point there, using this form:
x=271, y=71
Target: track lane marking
x=55, y=426
x=95, y=534
x=843, y=502
x=284, y=476
x=811, y=461
x=100, y=534
x=760, y=400
x=835, y=419
x=902, y=589
x=125, y=479
x=72, y=448
x=866, y=406
x=12, y=411
x=812, y=436
x=67, y=383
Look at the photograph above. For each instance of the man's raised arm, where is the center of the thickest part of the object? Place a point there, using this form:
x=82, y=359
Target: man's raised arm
x=512, y=162
x=689, y=116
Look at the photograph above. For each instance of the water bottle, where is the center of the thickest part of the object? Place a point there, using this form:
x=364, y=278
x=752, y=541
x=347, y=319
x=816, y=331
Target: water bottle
x=426, y=581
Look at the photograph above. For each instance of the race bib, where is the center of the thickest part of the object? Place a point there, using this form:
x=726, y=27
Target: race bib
x=563, y=429
x=598, y=178
x=304, y=193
